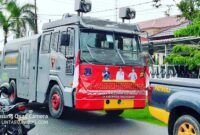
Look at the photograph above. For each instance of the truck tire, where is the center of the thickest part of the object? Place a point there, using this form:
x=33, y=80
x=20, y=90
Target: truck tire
x=56, y=102
x=13, y=95
x=114, y=113
x=186, y=124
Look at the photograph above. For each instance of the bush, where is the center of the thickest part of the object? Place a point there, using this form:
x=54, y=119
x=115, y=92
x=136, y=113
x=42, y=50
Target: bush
x=190, y=30
x=188, y=55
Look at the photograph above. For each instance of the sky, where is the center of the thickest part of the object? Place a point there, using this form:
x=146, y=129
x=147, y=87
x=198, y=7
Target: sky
x=50, y=10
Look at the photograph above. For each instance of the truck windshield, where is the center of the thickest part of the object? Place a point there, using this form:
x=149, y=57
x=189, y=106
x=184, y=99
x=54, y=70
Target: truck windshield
x=109, y=48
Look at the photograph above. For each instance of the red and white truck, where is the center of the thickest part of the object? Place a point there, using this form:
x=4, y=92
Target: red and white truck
x=80, y=62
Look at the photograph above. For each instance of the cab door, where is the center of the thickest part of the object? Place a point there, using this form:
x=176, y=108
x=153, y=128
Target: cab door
x=65, y=57
x=43, y=67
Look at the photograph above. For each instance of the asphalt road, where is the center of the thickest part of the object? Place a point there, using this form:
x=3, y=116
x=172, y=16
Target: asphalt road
x=91, y=123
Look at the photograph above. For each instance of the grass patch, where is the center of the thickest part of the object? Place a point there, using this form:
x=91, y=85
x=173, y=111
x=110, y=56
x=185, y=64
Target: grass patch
x=142, y=115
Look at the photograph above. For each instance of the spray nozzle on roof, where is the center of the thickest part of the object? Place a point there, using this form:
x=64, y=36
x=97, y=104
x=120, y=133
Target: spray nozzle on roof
x=83, y=6
x=127, y=13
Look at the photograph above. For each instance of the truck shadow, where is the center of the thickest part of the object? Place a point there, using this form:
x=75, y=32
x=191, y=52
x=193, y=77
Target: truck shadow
x=80, y=117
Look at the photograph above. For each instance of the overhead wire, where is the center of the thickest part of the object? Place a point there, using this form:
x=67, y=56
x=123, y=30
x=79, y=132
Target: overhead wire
x=43, y=16
x=111, y=9
x=144, y=10
x=66, y=2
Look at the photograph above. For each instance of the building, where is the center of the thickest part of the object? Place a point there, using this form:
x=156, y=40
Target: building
x=160, y=25
x=162, y=29
x=161, y=35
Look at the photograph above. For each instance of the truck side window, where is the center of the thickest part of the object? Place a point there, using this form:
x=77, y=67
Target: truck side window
x=67, y=50
x=46, y=43
x=55, y=40
x=62, y=48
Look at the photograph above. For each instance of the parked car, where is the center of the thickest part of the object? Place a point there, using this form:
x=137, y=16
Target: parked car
x=176, y=102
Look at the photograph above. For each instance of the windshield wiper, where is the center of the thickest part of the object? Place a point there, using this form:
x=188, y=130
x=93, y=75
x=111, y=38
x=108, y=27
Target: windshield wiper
x=120, y=56
x=89, y=51
x=88, y=47
x=85, y=58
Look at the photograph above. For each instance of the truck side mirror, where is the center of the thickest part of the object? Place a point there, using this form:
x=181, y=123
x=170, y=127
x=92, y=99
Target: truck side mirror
x=65, y=40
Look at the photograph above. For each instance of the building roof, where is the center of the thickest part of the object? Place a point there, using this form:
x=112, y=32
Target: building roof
x=170, y=31
x=183, y=40
x=165, y=22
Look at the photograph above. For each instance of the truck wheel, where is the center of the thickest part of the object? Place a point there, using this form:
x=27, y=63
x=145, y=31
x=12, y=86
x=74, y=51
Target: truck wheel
x=56, y=102
x=114, y=113
x=13, y=95
x=186, y=125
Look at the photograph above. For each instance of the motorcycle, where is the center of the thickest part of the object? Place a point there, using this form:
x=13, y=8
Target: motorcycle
x=12, y=120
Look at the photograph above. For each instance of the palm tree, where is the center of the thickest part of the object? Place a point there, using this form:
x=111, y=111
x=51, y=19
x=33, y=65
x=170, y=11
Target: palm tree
x=5, y=23
x=21, y=17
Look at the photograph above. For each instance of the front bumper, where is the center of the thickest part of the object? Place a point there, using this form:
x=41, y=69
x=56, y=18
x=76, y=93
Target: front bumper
x=110, y=104
x=159, y=114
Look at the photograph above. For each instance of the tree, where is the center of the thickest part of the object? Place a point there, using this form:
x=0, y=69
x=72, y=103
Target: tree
x=191, y=30
x=189, y=9
x=21, y=17
x=4, y=20
x=157, y=3
x=5, y=23
x=16, y=19
x=188, y=55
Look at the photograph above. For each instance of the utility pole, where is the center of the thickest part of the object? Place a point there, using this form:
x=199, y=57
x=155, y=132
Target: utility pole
x=36, y=20
x=116, y=12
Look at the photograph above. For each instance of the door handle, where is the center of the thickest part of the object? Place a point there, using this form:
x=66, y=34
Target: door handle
x=33, y=67
x=40, y=67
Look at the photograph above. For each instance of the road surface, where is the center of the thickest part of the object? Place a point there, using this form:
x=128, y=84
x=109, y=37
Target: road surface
x=91, y=123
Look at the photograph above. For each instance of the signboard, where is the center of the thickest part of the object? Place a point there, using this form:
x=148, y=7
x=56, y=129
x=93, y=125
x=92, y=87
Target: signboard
x=97, y=82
